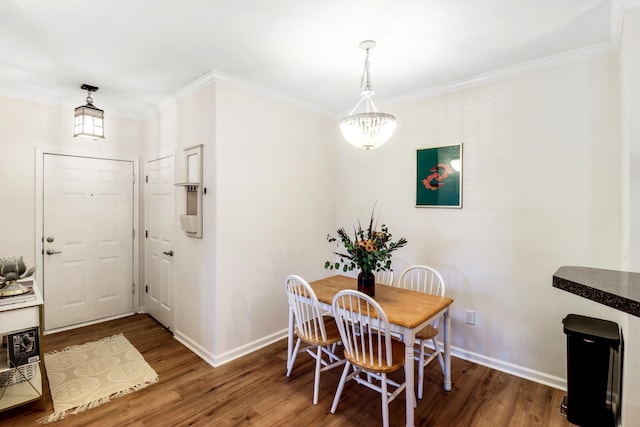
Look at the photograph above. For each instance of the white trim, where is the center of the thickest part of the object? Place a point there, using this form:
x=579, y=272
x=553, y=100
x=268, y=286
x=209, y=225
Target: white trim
x=38, y=234
x=504, y=73
x=628, y=4
x=248, y=348
x=617, y=19
x=226, y=357
x=616, y=22
x=616, y=15
x=213, y=77
x=163, y=155
x=490, y=362
x=92, y=322
x=160, y=107
x=192, y=345
x=271, y=94
x=201, y=82
x=55, y=101
x=137, y=278
x=74, y=153
x=510, y=368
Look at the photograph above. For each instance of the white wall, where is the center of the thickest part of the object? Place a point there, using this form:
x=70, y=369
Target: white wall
x=541, y=168
x=269, y=170
x=196, y=259
x=184, y=122
x=275, y=180
x=26, y=126
x=630, y=90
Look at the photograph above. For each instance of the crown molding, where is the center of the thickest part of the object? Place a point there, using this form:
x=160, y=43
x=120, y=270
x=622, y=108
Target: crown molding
x=65, y=103
x=628, y=4
x=618, y=8
x=201, y=82
x=270, y=94
x=214, y=77
x=505, y=73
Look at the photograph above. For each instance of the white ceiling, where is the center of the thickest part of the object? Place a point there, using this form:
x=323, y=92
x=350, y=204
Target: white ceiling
x=141, y=52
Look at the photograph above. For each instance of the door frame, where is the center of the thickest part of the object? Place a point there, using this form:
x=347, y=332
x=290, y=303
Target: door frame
x=39, y=221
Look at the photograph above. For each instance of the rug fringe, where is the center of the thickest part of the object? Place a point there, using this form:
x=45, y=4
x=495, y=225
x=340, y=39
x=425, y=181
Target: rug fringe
x=80, y=345
x=57, y=416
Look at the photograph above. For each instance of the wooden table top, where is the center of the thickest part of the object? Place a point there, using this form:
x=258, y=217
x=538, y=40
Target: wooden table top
x=403, y=307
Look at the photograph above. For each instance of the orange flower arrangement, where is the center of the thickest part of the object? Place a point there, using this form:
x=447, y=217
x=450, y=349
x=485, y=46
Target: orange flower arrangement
x=369, y=251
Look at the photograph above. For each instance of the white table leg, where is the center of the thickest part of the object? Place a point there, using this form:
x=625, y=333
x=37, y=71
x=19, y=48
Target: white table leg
x=409, y=340
x=447, y=350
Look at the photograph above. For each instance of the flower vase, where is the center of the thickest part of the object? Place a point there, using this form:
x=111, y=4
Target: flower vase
x=367, y=283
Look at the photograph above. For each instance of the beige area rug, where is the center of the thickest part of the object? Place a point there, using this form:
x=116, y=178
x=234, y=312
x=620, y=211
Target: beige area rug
x=87, y=375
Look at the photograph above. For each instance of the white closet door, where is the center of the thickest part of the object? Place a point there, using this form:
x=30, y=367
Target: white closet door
x=159, y=230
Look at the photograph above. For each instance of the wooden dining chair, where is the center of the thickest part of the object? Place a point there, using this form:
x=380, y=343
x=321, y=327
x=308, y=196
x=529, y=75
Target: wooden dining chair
x=425, y=279
x=317, y=331
x=368, y=347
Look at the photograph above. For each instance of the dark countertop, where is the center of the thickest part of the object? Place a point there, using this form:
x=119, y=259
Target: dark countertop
x=617, y=289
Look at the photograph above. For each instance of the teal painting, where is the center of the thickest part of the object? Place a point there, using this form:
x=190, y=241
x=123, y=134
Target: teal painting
x=439, y=176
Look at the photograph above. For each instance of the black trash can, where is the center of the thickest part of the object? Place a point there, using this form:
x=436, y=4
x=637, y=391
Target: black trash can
x=590, y=344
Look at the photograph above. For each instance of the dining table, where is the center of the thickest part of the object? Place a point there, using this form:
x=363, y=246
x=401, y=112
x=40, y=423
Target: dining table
x=408, y=312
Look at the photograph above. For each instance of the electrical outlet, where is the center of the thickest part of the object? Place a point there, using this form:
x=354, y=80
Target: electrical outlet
x=471, y=317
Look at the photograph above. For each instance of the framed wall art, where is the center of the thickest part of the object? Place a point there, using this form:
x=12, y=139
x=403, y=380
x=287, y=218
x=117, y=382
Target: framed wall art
x=439, y=177
x=23, y=347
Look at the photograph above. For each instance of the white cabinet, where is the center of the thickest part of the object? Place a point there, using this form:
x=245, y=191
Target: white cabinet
x=23, y=317
x=191, y=221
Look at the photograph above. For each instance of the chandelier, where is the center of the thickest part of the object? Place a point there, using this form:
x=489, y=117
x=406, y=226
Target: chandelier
x=89, y=120
x=369, y=129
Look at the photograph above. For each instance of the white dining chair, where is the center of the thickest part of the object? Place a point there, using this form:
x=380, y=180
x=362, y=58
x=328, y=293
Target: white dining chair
x=384, y=277
x=425, y=279
x=317, y=331
x=368, y=347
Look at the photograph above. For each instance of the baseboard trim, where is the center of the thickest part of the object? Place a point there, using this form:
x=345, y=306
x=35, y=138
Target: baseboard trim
x=80, y=325
x=226, y=357
x=489, y=362
x=510, y=368
x=200, y=351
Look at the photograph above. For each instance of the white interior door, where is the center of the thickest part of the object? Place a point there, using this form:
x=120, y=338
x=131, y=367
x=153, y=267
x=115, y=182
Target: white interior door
x=88, y=239
x=160, y=214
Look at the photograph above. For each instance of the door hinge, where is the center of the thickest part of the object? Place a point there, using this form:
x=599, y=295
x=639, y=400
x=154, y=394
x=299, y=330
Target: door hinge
x=133, y=288
x=133, y=235
x=146, y=234
x=146, y=289
x=146, y=178
x=134, y=178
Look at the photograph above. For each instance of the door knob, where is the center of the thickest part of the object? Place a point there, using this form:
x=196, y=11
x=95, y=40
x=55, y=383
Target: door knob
x=170, y=253
x=51, y=252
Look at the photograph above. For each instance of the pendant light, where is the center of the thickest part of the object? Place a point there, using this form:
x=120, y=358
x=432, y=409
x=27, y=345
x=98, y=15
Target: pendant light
x=369, y=129
x=89, y=120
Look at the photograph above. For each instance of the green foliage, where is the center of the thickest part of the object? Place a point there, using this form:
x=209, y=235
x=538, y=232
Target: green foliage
x=370, y=250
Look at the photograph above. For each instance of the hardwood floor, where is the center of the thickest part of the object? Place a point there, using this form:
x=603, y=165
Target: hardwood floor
x=254, y=391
